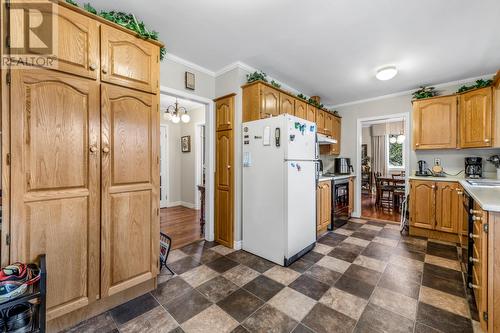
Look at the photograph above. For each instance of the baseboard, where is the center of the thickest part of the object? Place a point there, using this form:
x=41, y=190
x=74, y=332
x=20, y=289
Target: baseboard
x=183, y=204
x=173, y=204
x=237, y=245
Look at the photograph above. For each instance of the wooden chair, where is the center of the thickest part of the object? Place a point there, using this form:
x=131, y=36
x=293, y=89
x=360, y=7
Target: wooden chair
x=385, y=193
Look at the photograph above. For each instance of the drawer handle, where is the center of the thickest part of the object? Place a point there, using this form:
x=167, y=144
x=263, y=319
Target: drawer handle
x=473, y=260
x=473, y=286
x=471, y=235
x=476, y=218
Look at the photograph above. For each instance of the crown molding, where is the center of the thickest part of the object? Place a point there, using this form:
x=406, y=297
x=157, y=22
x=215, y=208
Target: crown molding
x=408, y=92
x=187, y=63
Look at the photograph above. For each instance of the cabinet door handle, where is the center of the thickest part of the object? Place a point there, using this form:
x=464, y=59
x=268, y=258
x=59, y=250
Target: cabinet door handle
x=93, y=67
x=473, y=260
x=486, y=140
x=229, y=167
x=471, y=235
x=476, y=218
x=104, y=70
x=93, y=149
x=473, y=286
x=417, y=144
x=460, y=192
x=473, y=211
x=105, y=150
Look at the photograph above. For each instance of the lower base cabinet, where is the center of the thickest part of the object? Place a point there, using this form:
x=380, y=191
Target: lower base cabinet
x=323, y=206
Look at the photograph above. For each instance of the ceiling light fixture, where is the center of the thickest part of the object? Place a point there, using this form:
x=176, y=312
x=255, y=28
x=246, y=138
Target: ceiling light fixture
x=386, y=73
x=176, y=113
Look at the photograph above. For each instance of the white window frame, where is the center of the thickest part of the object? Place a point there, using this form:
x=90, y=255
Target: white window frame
x=389, y=166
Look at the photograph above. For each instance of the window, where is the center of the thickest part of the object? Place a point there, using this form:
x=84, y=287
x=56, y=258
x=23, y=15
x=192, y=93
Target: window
x=395, y=156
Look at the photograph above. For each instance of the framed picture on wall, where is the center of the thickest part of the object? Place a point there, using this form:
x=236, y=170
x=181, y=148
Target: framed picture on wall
x=190, y=80
x=186, y=144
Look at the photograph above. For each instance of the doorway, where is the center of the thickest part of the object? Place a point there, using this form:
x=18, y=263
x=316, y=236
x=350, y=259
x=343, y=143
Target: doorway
x=185, y=150
x=383, y=164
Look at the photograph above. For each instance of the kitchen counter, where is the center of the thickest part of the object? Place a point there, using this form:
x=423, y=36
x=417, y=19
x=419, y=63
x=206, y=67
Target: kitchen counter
x=487, y=197
x=325, y=178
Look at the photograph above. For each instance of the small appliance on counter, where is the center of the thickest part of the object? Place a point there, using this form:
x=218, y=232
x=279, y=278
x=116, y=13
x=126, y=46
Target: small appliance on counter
x=473, y=167
x=495, y=160
x=343, y=166
x=422, y=169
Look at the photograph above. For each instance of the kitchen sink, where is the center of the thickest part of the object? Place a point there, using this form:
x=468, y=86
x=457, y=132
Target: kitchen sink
x=484, y=182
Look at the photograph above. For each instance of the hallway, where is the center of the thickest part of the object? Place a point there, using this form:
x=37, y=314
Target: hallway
x=370, y=210
x=182, y=224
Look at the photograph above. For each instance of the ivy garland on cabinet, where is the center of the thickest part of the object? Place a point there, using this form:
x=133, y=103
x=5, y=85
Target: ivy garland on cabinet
x=126, y=20
x=425, y=92
x=479, y=84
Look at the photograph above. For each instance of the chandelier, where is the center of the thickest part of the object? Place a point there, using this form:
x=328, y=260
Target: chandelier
x=176, y=113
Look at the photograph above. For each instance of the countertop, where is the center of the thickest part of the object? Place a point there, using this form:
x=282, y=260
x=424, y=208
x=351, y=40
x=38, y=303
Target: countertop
x=487, y=197
x=324, y=178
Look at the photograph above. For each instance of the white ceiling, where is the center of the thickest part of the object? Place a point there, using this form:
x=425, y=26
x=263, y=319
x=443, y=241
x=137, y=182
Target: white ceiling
x=332, y=47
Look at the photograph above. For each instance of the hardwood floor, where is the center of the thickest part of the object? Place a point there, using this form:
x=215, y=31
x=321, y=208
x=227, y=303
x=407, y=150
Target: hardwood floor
x=371, y=211
x=182, y=224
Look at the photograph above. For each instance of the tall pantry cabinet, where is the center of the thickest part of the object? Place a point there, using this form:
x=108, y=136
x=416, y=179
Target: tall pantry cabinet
x=84, y=167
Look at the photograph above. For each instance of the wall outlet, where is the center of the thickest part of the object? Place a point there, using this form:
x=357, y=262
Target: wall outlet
x=437, y=161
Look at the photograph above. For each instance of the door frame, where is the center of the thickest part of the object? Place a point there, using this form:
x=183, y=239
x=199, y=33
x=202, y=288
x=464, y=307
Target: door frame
x=209, y=151
x=164, y=165
x=197, y=161
x=359, y=137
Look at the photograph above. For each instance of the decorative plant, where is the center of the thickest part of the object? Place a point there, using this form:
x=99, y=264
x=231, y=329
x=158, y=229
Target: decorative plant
x=424, y=92
x=302, y=96
x=275, y=84
x=315, y=103
x=479, y=84
x=127, y=21
x=336, y=113
x=256, y=76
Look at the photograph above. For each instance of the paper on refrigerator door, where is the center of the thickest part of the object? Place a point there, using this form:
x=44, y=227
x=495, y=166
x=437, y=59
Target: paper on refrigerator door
x=266, y=137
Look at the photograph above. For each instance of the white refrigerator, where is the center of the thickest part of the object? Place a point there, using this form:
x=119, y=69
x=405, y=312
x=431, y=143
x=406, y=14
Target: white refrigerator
x=279, y=188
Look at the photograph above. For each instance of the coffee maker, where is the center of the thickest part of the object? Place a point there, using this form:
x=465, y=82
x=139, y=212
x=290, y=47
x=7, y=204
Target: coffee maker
x=473, y=167
x=422, y=169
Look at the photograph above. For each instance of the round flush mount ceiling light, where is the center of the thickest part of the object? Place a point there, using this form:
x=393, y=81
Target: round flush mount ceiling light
x=386, y=73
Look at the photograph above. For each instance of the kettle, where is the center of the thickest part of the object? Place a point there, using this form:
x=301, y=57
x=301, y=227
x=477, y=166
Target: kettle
x=422, y=168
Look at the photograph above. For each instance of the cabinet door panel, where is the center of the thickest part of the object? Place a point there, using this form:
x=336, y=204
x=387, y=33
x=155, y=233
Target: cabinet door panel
x=328, y=124
x=435, y=123
x=270, y=102
x=128, y=61
x=423, y=204
x=130, y=175
x=224, y=189
x=300, y=109
x=336, y=134
x=224, y=113
x=320, y=121
x=475, y=118
x=448, y=207
x=311, y=114
x=287, y=104
x=55, y=183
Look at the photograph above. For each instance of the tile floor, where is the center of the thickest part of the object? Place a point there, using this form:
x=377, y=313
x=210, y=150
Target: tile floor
x=364, y=277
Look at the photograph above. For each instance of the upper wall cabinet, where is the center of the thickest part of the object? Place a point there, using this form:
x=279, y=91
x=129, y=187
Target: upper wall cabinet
x=475, y=118
x=320, y=121
x=300, y=109
x=224, y=107
x=287, y=104
x=270, y=102
x=328, y=123
x=128, y=61
x=435, y=123
x=78, y=43
x=311, y=113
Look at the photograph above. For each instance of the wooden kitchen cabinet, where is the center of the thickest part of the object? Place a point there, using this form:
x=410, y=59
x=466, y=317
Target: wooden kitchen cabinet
x=130, y=178
x=435, y=123
x=476, y=118
x=323, y=206
x=448, y=206
x=224, y=113
x=351, y=195
x=300, y=109
x=129, y=61
x=270, y=102
x=328, y=124
x=423, y=204
x=336, y=134
x=287, y=104
x=320, y=121
x=480, y=262
x=311, y=114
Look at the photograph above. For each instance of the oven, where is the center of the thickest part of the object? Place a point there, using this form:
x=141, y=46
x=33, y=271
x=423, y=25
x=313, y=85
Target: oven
x=467, y=246
x=340, y=203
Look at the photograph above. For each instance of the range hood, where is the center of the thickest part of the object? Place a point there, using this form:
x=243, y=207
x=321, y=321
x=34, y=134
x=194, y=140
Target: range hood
x=324, y=140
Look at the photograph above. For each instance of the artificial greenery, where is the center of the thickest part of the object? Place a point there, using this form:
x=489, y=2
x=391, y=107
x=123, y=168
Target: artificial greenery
x=424, y=92
x=275, y=84
x=257, y=76
x=479, y=84
x=126, y=20
x=302, y=96
x=315, y=103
